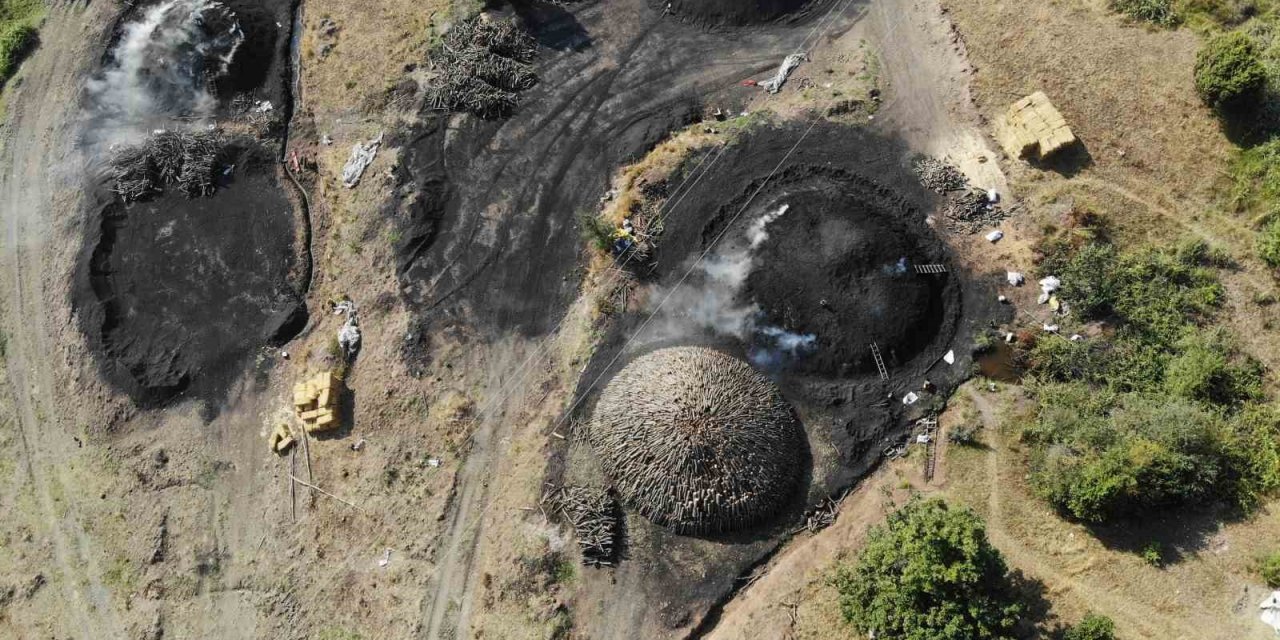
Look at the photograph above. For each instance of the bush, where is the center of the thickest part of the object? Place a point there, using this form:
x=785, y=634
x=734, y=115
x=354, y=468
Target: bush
x=1255, y=454
x=1158, y=12
x=929, y=574
x=1153, y=554
x=1255, y=172
x=1269, y=569
x=1269, y=244
x=964, y=435
x=1228, y=70
x=1152, y=291
x=15, y=40
x=1092, y=627
x=1210, y=369
x=1100, y=455
x=597, y=232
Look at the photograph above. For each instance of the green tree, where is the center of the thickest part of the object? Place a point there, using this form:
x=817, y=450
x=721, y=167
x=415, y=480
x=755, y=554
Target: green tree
x=1092, y=627
x=929, y=574
x=1228, y=70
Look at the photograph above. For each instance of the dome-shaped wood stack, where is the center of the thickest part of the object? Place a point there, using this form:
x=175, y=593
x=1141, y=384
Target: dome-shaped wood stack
x=697, y=440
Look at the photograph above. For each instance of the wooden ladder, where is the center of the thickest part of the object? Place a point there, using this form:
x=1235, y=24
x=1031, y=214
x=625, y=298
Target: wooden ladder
x=875, y=353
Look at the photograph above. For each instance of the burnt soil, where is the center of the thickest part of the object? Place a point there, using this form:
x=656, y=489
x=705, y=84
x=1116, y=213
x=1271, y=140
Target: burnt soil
x=734, y=13
x=489, y=212
x=856, y=211
x=176, y=288
x=174, y=294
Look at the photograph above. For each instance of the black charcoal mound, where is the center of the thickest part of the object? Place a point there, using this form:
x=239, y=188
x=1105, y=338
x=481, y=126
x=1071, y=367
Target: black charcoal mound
x=175, y=289
x=697, y=441
x=841, y=265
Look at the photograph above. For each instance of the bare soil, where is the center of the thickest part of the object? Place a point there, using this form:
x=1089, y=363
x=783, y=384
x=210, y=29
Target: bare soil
x=482, y=329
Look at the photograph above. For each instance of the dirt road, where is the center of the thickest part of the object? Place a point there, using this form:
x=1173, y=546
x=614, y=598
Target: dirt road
x=41, y=120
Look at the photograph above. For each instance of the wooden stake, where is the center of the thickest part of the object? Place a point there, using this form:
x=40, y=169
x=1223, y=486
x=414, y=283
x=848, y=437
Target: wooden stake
x=322, y=491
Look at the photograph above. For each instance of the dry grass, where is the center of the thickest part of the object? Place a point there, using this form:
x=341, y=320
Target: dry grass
x=1158, y=159
x=345, y=71
x=1211, y=592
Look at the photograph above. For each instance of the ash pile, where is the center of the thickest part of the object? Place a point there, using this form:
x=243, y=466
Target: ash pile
x=967, y=210
x=189, y=160
x=483, y=65
x=697, y=441
x=593, y=514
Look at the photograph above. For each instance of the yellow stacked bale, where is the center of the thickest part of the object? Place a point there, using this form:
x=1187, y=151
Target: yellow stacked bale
x=281, y=438
x=1033, y=126
x=315, y=402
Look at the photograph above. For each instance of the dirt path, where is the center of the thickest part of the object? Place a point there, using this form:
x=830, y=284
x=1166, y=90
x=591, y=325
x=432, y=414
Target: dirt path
x=1131, y=614
x=927, y=99
x=1138, y=618
x=40, y=123
x=448, y=606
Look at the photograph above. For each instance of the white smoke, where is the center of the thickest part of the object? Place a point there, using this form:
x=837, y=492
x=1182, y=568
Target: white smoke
x=162, y=67
x=712, y=302
x=757, y=233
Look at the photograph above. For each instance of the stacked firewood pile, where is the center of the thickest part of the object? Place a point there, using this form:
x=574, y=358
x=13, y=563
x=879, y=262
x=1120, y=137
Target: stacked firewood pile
x=187, y=159
x=821, y=516
x=697, y=441
x=482, y=66
x=593, y=513
x=938, y=176
x=970, y=211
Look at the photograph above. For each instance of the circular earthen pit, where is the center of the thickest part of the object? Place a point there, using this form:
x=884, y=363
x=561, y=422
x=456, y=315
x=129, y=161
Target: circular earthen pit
x=841, y=268
x=697, y=441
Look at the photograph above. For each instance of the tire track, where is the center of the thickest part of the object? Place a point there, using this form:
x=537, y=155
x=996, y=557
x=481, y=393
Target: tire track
x=39, y=128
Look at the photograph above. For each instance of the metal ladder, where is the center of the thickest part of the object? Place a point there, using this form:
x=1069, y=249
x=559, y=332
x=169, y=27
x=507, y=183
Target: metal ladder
x=931, y=268
x=875, y=353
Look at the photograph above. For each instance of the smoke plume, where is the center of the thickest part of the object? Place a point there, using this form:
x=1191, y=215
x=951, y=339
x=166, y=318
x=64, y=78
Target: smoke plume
x=163, y=65
x=711, y=300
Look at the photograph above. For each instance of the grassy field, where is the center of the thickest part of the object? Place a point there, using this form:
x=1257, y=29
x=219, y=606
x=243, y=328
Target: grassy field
x=18, y=22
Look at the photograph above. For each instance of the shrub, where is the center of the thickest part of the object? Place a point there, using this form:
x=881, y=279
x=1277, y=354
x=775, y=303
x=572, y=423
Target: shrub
x=1228, y=70
x=1269, y=569
x=929, y=573
x=15, y=40
x=1092, y=627
x=1255, y=173
x=1255, y=454
x=597, y=232
x=1153, y=554
x=1269, y=244
x=1158, y=12
x=964, y=435
x=1100, y=455
x=1210, y=369
x=1152, y=291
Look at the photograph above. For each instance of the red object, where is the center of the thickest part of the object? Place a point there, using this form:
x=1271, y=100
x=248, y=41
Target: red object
x=749, y=83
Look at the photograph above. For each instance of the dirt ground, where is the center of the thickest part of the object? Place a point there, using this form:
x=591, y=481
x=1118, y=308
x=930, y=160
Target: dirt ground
x=120, y=522
x=1207, y=593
